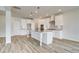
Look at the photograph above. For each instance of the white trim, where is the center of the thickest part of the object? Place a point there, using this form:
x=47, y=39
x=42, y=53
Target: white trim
x=76, y=40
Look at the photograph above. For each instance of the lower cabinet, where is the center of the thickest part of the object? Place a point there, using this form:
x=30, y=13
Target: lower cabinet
x=58, y=34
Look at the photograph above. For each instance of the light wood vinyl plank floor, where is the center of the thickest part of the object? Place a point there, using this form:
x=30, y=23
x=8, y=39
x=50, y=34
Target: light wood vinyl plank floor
x=22, y=44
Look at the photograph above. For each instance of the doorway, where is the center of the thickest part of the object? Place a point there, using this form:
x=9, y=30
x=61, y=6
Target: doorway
x=29, y=29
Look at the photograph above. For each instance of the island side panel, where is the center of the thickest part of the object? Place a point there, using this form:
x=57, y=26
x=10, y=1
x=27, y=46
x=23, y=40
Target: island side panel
x=49, y=38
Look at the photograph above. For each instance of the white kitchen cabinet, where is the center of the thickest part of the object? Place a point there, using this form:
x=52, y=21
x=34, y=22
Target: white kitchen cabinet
x=59, y=20
x=57, y=34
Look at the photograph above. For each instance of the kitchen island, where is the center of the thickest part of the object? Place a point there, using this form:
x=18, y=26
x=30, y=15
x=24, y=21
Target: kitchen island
x=45, y=37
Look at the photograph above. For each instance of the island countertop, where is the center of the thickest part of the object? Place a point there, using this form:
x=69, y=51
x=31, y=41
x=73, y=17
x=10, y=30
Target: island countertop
x=46, y=30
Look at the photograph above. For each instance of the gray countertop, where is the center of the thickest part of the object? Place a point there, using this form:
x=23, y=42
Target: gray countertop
x=49, y=30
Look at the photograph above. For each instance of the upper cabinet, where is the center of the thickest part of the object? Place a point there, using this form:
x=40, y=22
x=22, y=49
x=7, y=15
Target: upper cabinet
x=59, y=20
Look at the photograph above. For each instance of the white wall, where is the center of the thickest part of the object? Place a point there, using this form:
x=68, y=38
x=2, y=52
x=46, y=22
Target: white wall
x=71, y=25
x=19, y=26
x=2, y=26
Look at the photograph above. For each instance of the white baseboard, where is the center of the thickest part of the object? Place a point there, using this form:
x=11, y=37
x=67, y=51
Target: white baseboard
x=77, y=40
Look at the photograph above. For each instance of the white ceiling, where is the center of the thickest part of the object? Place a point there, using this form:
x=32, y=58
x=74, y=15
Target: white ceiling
x=25, y=11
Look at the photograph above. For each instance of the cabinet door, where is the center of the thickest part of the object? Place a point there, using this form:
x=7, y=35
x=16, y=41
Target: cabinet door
x=59, y=20
x=58, y=34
